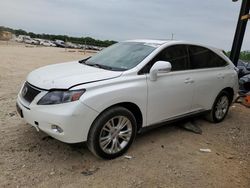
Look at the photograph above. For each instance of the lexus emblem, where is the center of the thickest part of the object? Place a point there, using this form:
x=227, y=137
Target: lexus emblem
x=24, y=91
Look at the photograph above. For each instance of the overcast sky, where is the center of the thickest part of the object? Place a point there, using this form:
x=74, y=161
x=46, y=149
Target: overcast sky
x=211, y=22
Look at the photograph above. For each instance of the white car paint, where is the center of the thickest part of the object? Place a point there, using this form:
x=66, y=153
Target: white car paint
x=64, y=75
x=173, y=94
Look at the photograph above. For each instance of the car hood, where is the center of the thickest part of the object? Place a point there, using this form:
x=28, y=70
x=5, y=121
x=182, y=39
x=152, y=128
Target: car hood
x=66, y=75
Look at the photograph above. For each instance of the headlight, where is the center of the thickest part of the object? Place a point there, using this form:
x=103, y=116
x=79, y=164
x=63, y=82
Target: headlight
x=58, y=97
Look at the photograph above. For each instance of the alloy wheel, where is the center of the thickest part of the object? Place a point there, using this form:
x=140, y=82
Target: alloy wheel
x=115, y=134
x=221, y=107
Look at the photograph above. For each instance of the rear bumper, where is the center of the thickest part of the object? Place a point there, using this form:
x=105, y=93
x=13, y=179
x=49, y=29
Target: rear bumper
x=73, y=118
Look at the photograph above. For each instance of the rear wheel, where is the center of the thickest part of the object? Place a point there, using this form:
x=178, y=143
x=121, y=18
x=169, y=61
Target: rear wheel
x=220, y=108
x=112, y=133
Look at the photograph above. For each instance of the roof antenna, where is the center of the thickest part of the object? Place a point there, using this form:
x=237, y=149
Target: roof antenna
x=172, y=37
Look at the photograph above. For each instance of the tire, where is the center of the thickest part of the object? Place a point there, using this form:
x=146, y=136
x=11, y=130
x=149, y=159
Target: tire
x=220, y=107
x=112, y=133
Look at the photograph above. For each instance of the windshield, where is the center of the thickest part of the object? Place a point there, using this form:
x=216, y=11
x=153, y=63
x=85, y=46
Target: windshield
x=121, y=56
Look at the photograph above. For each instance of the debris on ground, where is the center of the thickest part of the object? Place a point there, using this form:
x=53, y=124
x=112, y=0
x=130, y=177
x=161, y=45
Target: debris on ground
x=128, y=157
x=46, y=138
x=11, y=114
x=244, y=99
x=192, y=126
x=205, y=150
x=89, y=172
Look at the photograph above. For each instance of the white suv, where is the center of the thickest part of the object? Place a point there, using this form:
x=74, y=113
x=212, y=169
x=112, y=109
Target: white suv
x=108, y=98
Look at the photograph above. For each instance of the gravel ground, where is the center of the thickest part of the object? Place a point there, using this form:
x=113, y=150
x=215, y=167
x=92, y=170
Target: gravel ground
x=164, y=157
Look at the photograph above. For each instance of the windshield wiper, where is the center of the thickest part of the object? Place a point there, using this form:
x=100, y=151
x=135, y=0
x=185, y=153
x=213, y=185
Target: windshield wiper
x=106, y=67
x=99, y=66
x=84, y=60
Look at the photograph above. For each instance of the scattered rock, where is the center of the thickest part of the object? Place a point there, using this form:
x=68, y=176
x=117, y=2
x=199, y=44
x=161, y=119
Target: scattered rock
x=191, y=126
x=229, y=157
x=162, y=146
x=31, y=149
x=205, y=150
x=90, y=171
x=208, y=143
x=52, y=173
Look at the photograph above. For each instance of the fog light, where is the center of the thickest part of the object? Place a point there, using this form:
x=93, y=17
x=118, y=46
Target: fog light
x=56, y=128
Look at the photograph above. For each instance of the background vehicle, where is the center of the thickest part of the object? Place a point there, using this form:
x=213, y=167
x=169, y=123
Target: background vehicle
x=47, y=43
x=30, y=41
x=244, y=84
x=106, y=99
x=26, y=39
x=60, y=43
x=244, y=68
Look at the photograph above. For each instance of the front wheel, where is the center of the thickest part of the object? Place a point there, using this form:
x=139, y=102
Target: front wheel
x=112, y=133
x=220, y=108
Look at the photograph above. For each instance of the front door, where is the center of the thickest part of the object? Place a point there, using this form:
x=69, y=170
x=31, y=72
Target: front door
x=171, y=94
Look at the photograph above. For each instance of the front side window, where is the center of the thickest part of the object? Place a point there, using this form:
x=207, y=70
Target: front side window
x=201, y=57
x=121, y=56
x=176, y=55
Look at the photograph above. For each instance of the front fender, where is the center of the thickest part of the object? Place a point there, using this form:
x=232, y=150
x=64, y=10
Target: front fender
x=101, y=95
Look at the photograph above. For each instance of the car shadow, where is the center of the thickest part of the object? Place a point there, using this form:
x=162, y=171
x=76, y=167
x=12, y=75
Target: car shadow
x=42, y=146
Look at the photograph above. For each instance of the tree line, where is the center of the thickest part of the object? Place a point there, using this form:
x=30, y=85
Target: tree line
x=244, y=55
x=66, y=38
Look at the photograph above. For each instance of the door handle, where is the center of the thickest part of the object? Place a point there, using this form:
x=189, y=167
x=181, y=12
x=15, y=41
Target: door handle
x=188, y=81
x=220, y=76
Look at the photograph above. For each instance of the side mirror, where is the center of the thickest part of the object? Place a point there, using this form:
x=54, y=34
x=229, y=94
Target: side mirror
x=159, y=67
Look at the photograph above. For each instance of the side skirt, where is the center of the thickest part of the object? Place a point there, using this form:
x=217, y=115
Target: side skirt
x=172, y=120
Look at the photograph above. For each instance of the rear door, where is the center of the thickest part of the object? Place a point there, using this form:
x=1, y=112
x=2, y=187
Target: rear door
x=209, y=73
x=171, y=94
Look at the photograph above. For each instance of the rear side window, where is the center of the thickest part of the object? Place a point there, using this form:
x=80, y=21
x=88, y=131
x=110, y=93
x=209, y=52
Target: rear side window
x=201, y=57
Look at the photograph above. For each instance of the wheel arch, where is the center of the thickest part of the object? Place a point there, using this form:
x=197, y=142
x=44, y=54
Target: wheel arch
x=133, y=108
x=230, y=91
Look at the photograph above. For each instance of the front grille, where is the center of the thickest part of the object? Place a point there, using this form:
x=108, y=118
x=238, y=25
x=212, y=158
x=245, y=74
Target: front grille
x=29, y=92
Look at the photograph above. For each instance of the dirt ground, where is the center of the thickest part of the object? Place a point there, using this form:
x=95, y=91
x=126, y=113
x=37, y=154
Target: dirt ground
x=164, y=157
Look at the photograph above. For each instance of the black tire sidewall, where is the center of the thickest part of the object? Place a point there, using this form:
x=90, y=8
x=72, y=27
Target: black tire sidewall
x=215, y=119
x=98, y=125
